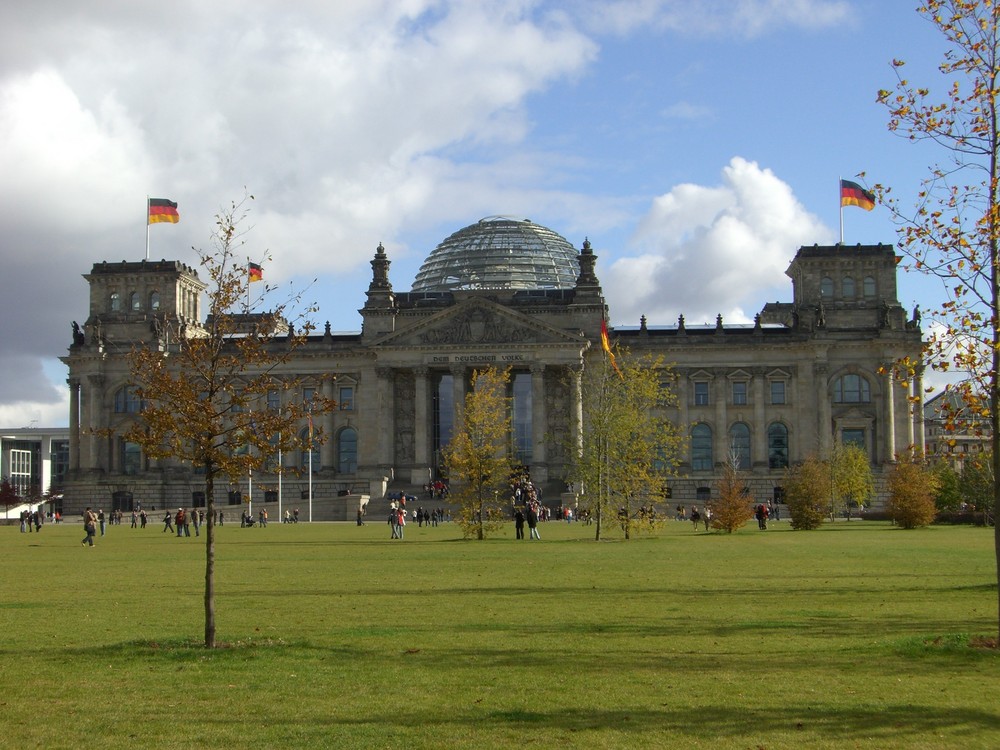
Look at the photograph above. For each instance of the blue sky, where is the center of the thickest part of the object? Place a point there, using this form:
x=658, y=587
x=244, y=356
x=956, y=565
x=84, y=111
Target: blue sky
x=696, y=144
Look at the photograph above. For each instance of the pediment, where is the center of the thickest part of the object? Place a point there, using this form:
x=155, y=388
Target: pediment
x=477, y=322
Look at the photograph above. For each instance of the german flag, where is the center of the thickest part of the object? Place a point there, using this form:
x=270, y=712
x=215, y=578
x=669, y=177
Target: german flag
x=606, y=346
x=255, y=272
x=160, y=209
x=852, y=194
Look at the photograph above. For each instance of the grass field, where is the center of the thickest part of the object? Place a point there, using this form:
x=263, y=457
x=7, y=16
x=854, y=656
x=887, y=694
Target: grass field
x=852, y=636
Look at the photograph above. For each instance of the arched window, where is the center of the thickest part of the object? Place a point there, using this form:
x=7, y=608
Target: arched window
x=847, y=287
x=851, y=389
x=739, y=444
x=347, y=451
x=777, y=446
x=826, y=287
x=701, y=448
x=116, y=302
x=127, y=400
x=134, y=302
x=154, y=301
x=869, y=286
x=304, y=453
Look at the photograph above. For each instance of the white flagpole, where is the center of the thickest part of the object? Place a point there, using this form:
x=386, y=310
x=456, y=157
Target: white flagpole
x=147, y=227
x=310, y=473
x=280, y=472
x=840, y=201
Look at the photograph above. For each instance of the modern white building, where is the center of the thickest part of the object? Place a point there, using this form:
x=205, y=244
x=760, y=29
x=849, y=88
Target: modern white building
x=35, y=460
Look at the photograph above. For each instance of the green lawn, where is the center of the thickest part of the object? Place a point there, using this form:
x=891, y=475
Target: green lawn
x=849, y=636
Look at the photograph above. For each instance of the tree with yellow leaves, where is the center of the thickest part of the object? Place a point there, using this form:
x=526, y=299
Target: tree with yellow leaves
x=954, y=231
x=478, y=456
x=205, y=396
x=629, y=447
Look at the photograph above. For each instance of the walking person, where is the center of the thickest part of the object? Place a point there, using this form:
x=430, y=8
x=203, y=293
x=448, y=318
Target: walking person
x=761, y=514
x=89, y=527
x=533, y=523
x=168, y=523
x=101, y=520
x=518, y=524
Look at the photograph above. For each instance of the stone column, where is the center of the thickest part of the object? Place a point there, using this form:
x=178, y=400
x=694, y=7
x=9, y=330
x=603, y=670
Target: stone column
x=758, y=434
x=458, y=395
x=890, y=417
x=911, y=416
x=720, y=450
x=683, y=401
x=825, y=426
x=327, y=453
x=384, y=420
x=96, y=446
x=421, y=427
x=576, y=406
x=918, y=410
x=539, y=466
x=74, y=423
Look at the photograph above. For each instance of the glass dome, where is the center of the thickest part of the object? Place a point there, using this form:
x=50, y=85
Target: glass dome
x=499, y=252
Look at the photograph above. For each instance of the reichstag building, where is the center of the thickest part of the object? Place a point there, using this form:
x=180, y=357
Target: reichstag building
x=511, y=293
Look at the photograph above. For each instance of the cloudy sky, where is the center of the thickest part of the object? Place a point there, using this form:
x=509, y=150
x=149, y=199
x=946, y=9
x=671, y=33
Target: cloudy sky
x=696, y=144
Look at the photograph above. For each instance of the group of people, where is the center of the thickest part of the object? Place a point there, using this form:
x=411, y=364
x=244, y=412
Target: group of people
x=530, y=516
x=397, y=517
x=438, y=489
x=184, y=520
x=704, y=517
x=31, y=520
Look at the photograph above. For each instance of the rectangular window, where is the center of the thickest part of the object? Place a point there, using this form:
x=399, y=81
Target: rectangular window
x=520, y=422
x=777, y=391
x=346, y=399
x=854, y=437
x=701, y=393
x=20, y=471
x=739, y=393
x=273, y=399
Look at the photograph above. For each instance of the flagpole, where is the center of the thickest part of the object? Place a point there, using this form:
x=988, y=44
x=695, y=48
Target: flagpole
x=147, y=227
x=310, y=470
x=840, y=200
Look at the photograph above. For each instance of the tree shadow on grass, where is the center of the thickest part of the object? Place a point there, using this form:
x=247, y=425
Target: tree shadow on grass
x=895, y=724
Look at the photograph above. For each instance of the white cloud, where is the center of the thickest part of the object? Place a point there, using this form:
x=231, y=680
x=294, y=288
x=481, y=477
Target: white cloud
x=710, y=250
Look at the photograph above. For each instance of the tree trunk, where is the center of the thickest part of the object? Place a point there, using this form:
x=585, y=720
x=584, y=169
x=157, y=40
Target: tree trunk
x=210, y=556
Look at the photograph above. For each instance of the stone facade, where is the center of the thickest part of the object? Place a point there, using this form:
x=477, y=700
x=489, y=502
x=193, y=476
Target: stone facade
x=804, y=376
